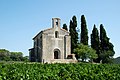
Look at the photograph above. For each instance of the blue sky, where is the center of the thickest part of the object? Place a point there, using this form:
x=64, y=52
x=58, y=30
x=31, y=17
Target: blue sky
x=21, y=20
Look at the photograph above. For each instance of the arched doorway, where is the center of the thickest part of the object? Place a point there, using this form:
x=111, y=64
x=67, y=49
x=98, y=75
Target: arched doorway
x=56, y=54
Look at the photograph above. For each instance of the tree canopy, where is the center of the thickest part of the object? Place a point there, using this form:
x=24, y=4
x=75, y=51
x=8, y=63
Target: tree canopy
x=6, y=55
x=95, y=42
x=85, y=52
x=99, y=42
x=102, y=45
x=73, y=33
x=65, y=27
x=84, y=31
x=107, y=51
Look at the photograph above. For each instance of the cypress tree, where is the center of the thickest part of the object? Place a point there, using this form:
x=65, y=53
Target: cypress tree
x=95, y=38
x=72, y=36
x=95, y=42
x=65, y=27
x=107, y=51
x=103, y=38
x=84, y=31
x=73, y=33
x=74, y=19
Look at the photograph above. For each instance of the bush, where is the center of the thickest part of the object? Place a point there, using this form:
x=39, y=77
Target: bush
x=37, y=71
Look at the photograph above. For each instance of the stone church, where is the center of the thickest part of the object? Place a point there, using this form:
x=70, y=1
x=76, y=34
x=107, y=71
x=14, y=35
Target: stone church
x=53, y=44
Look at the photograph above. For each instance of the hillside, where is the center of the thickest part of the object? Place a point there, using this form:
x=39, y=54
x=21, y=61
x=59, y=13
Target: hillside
x=117, y=60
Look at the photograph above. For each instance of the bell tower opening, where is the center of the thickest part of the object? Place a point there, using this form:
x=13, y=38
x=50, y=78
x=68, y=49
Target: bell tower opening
x=55, y=22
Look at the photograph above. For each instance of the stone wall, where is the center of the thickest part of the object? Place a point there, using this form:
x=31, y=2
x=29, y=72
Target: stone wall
x=51, y=43
x=63, y=61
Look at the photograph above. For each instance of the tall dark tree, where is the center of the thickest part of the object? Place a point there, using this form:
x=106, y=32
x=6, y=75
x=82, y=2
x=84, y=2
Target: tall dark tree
x=73, y=33
x=72, y=36
x=95, y=41
x=95, y=38
x=103, y=38
x=65, y=27
x=84, y=31
x=107, y=51
x=74, y=19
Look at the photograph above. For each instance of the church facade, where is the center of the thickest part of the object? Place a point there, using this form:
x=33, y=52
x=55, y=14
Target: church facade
x=51, y=44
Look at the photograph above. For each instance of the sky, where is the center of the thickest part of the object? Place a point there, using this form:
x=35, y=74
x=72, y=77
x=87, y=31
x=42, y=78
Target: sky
x=21, y=20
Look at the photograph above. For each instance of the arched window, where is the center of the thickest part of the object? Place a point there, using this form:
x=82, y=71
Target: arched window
x=56, y=34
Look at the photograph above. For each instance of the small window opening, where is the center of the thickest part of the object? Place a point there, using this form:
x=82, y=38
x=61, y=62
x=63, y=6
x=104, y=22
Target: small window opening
x=57, y=23
x=56, y=34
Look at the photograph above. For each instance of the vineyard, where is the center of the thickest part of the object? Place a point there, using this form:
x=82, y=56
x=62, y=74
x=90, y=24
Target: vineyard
x=79, y=71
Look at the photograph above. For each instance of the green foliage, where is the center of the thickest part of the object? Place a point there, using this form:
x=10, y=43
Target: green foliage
x=16, y=56
x=33, y=71
x=25, y=58
x=102, y=45
x=5, y=55
x=107, y=52
x=95, y=42
x=85, y=52
x=84, y=31
x=73, y=33
x=106, y=57
x=65, y=27
x=103, y=38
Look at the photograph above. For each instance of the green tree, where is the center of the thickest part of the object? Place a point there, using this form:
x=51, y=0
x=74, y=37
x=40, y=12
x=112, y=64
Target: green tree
x=65, y=27
x=103, y=38
x=25, y=58
x=84, y=31
x=4, y=55
x=72, y=36
x=16, y=56
x=107, y=51
x=73, y=33
x=95, y=42
x=85, y=52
